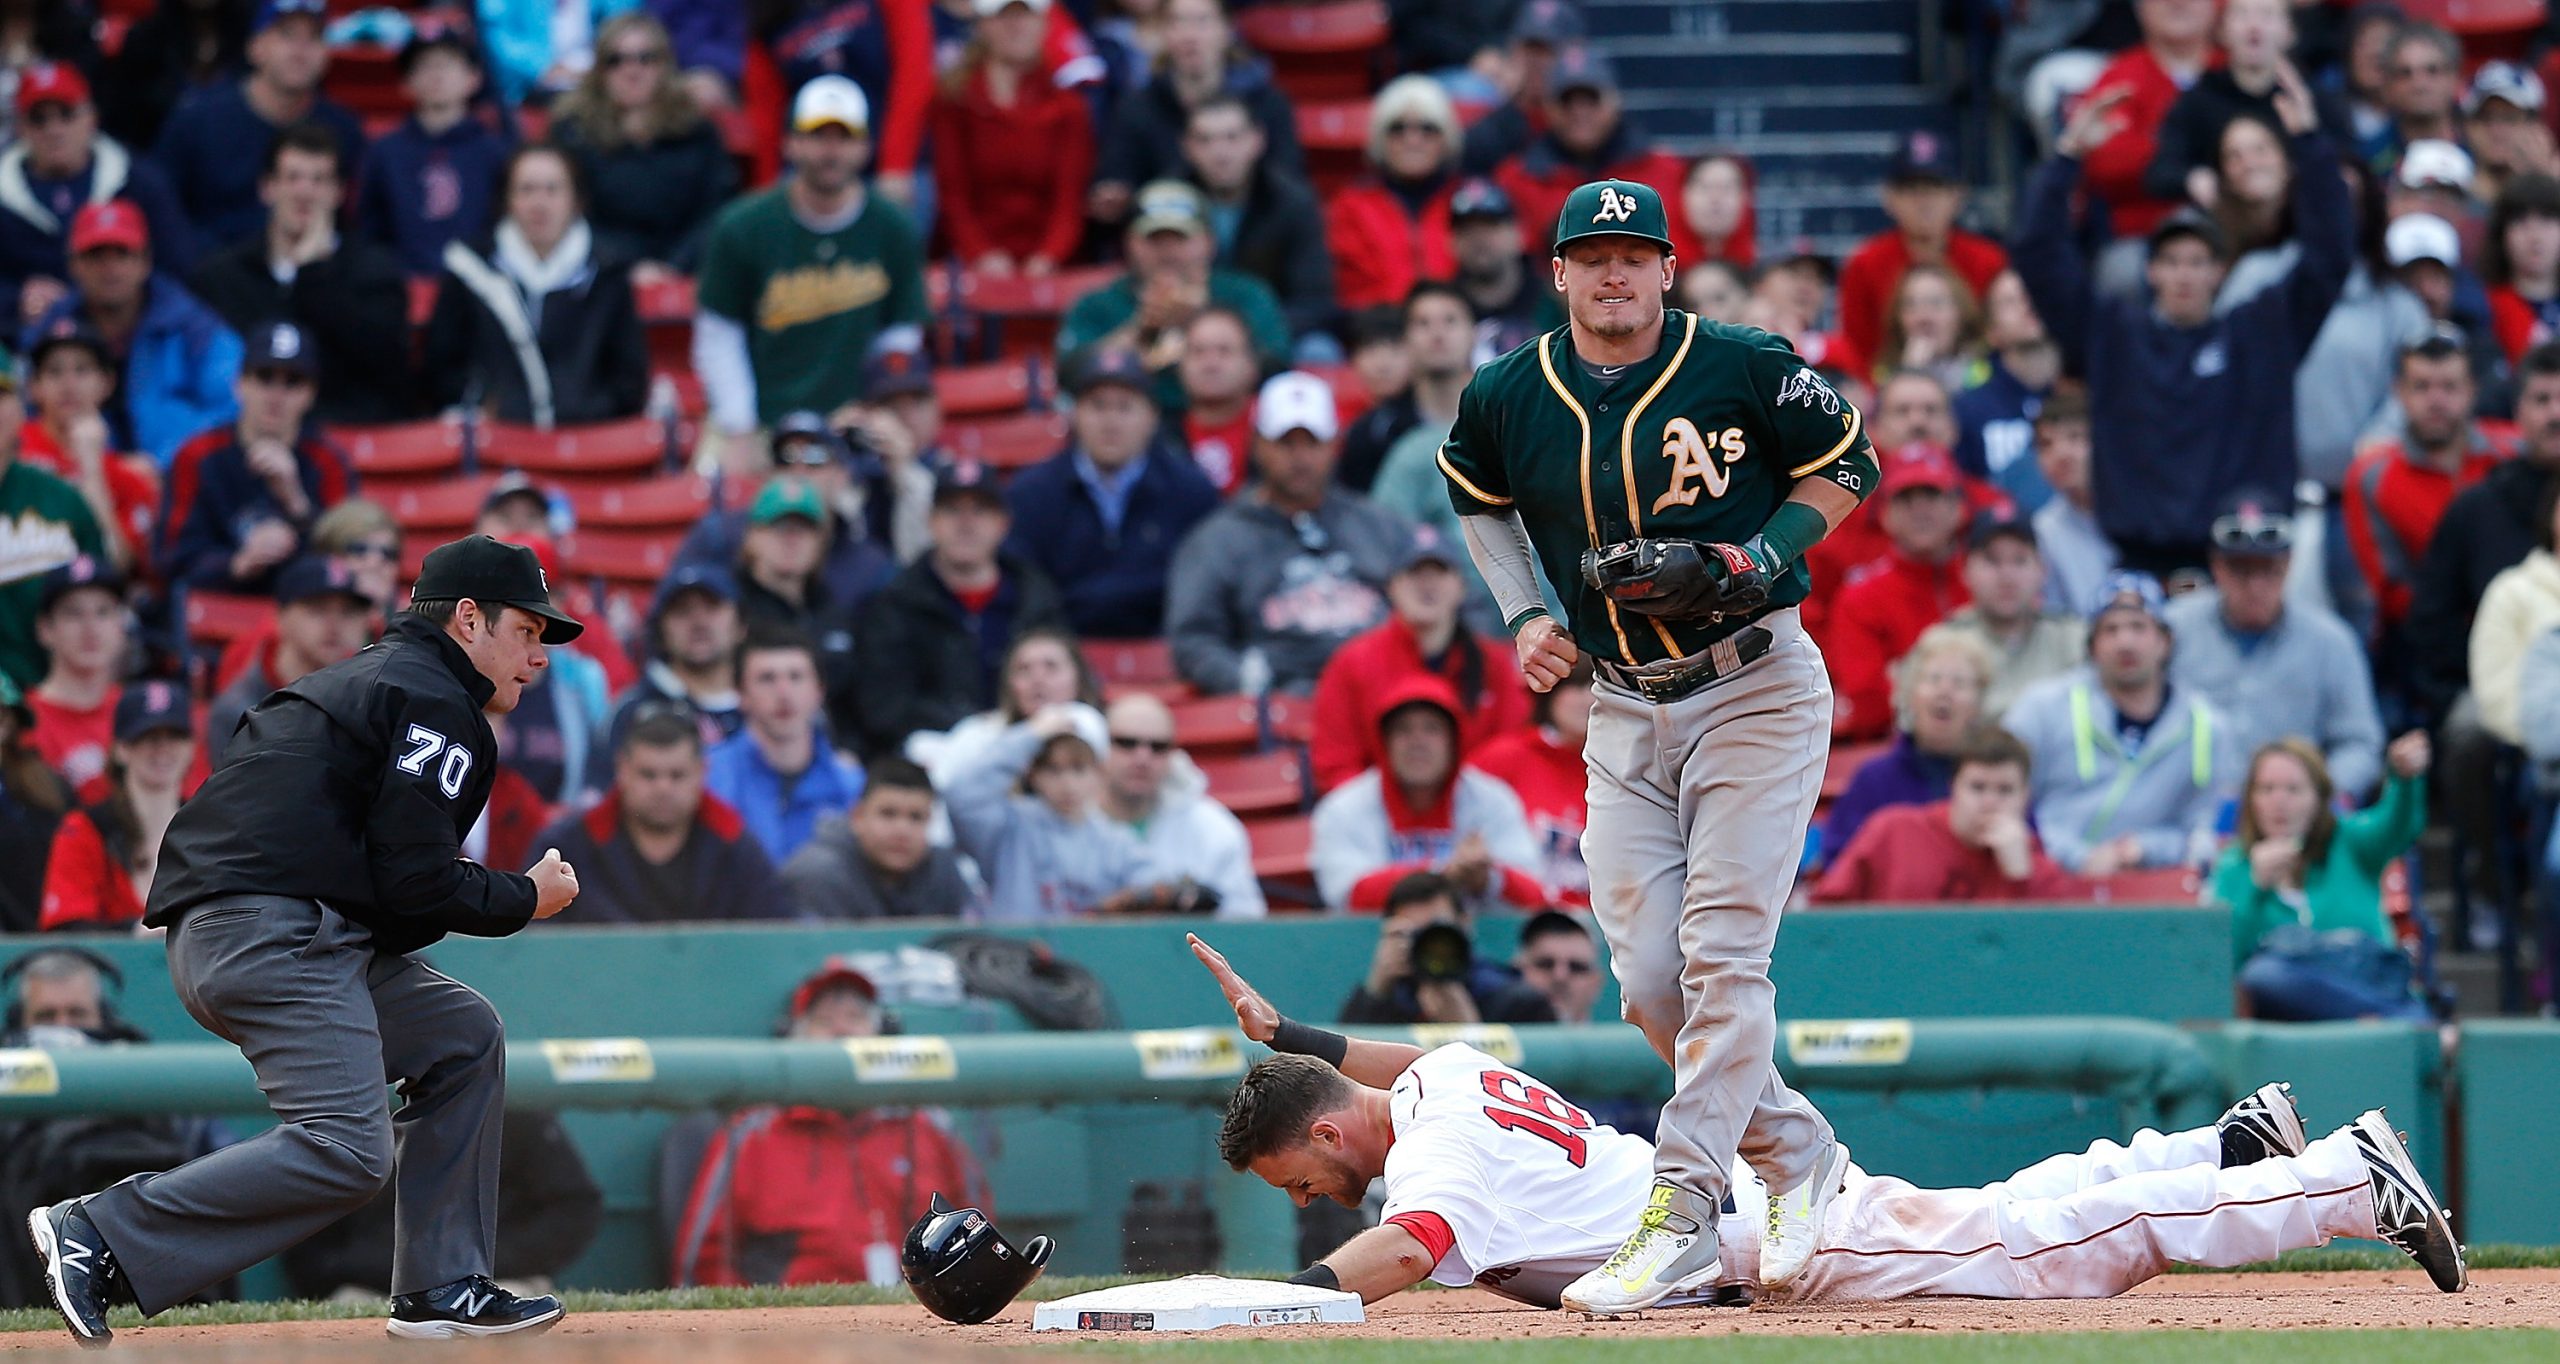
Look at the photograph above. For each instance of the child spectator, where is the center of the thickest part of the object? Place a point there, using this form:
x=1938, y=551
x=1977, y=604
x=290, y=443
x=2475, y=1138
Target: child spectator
x=49, y=515
x=1974, y=847
x=434, y=179
x=1042, y=668
x=655, y=169
x=1717, y=222
x=1012, y=149
x=242, y=497
x=2077, y=554
x=70, y=372
x=85, y=626
x=540, y=326
x=99, y=873
x=1924, y=194
x=1390, y=230
x=1029, y=810
x=32, y=803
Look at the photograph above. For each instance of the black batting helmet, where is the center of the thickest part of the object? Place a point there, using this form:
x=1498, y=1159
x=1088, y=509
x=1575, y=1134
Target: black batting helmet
x=962, y=1269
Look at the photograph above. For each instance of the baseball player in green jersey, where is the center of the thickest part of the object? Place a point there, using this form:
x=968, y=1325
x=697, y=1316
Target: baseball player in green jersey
x=1668, y=474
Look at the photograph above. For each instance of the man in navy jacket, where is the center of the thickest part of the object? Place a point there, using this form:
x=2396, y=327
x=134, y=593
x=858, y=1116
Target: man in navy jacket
x=1104, y=516
x=2185, y=405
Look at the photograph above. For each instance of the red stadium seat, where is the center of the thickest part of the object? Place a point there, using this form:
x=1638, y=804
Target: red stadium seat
x=1030, y=295
x=406, y=452
x=1319, y=51
x=365, y=77
x=667, y=300
x=618, y=556
x=2476, y=17
x=221, y=617
x=422, y=298
x=1292, y=718
x=1008, y=443
x=616, y=449
x=672, y=503
x=2154, y=886
x=1138, y=661
x=440, y=509
x=1342, y=126
x=1218, y=724
x=1283, y=860
x=1258, y=783
x=987, y=390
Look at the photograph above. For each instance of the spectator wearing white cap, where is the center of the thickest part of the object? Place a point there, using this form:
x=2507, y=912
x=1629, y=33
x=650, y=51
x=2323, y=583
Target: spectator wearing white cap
x=799, y=280
x=2502, y=117
x=2425, y=254
x=1267, y=587
x=2438, y=177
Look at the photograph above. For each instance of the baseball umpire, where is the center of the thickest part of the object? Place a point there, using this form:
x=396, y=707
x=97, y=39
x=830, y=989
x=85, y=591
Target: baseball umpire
x=1668, y=474
x=324, y=850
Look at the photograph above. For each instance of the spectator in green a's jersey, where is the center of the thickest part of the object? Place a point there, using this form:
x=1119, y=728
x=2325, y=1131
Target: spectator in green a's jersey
x=798, y=281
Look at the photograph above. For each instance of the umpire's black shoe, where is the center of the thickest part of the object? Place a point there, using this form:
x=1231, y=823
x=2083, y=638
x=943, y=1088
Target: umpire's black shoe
x=470, y=1307
x=78, y=1270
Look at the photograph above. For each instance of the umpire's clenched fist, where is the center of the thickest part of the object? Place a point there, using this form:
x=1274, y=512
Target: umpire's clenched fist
x=1547, y=652
x=555, y=884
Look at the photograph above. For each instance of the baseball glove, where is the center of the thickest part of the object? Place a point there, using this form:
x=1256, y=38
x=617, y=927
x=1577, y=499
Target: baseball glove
x=1680, y=579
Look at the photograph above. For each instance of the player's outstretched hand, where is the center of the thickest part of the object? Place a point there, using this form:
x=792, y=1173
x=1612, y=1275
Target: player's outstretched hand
x=1547, y=652
x=1254, y=1014
x=555, y=884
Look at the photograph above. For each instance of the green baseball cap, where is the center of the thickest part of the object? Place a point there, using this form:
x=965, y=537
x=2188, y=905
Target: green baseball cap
x=1613, y=208
x=788, y=497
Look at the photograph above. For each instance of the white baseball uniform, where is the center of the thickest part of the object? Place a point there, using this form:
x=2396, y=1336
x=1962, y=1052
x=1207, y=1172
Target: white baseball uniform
x=1518, y=1191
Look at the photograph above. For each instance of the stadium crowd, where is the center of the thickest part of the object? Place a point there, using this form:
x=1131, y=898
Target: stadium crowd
x=1000, y=435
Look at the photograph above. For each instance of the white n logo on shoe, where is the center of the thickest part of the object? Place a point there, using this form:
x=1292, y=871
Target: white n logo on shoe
x=75, y=1255
x=471, y=1302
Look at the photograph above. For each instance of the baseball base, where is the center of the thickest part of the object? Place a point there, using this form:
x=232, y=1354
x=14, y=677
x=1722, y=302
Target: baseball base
x=1198, y=1302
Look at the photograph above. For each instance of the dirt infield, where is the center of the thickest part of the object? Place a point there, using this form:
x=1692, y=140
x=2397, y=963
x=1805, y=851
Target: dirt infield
x=2498, y=1298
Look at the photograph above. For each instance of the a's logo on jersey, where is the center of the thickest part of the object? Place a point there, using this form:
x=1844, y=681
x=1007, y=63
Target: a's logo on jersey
x=1614, y=207
x=1806, y=387
x=1697, y=463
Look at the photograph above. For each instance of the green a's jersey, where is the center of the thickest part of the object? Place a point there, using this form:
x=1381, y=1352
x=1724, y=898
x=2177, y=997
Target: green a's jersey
x=811, y=302
x=1701, y=442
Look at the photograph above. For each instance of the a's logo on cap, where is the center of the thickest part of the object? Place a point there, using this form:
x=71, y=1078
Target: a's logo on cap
x=1614, y=207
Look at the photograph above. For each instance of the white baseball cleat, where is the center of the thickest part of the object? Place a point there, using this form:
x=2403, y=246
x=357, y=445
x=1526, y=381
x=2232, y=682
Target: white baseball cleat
x=2262, y=1126
x=1674, y=1245
x=2405, y=1211
x=1795, y=1218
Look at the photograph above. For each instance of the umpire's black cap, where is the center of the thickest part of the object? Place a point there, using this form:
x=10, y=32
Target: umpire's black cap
x=962, y=1269
x=493, y=573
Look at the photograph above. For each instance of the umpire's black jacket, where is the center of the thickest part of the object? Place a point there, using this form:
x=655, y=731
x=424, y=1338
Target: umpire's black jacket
x=354, y=787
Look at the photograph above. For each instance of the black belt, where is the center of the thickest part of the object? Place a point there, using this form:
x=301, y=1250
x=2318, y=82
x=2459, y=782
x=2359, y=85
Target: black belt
x=1721, y=660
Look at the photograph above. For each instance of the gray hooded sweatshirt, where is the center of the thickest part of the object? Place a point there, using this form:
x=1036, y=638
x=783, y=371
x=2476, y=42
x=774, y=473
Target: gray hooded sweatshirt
x=2086, y=789
x=1293, y=587
x=1037, y=863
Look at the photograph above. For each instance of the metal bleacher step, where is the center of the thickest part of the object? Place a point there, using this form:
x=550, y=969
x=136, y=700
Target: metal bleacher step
x=1726, y=112
x=1700, y=61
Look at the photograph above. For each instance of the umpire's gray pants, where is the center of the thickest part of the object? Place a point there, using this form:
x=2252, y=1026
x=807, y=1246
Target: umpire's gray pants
x=1698, y=814
x=326, y=1020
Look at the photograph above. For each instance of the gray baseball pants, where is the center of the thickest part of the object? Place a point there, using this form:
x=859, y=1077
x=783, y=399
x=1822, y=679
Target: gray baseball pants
x=325, y=1020
x=1697, y=821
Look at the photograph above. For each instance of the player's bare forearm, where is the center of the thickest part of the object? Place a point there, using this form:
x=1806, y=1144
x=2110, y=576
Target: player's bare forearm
x=1381, y=1261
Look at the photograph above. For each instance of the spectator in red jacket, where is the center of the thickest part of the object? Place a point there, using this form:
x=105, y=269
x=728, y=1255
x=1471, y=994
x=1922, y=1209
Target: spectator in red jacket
x=2396, y=491
x=1589, y=137
x=1421, y=809
x=1390, y=229
x=1716, y=219
x=71, y=372
x=99, y=873
x=1972, y=847
x=2520, y=262
x=2140, y=85
x=800, y=1195
x=1425, y=636
x=1887, y=604
x=86, y=630
x=1542, y=763
x=1012, y=150
x=1923, y=193
x=1911, y=408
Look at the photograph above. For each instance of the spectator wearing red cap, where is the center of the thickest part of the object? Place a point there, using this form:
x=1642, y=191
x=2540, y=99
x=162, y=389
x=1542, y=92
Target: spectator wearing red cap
x=1589, y=137
x=86, y=629
x=659, y=848
x=1014, y=148
x=1425, y=636
x=242, y=496
x=1886, y=604
x=799, y=1195
x=176, y=360
x=59, y=163
x=346, y=293
x=99, y=872
x=1390, y=229
x=216, y=140
x=1421, y=809
x=69, y=375
x=1924, y=194
x=322, y=616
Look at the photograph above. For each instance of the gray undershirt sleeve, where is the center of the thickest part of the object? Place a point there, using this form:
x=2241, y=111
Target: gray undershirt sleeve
x=1507, y=562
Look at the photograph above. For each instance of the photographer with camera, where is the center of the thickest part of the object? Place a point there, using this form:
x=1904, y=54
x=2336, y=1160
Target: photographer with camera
x=1426, y=971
